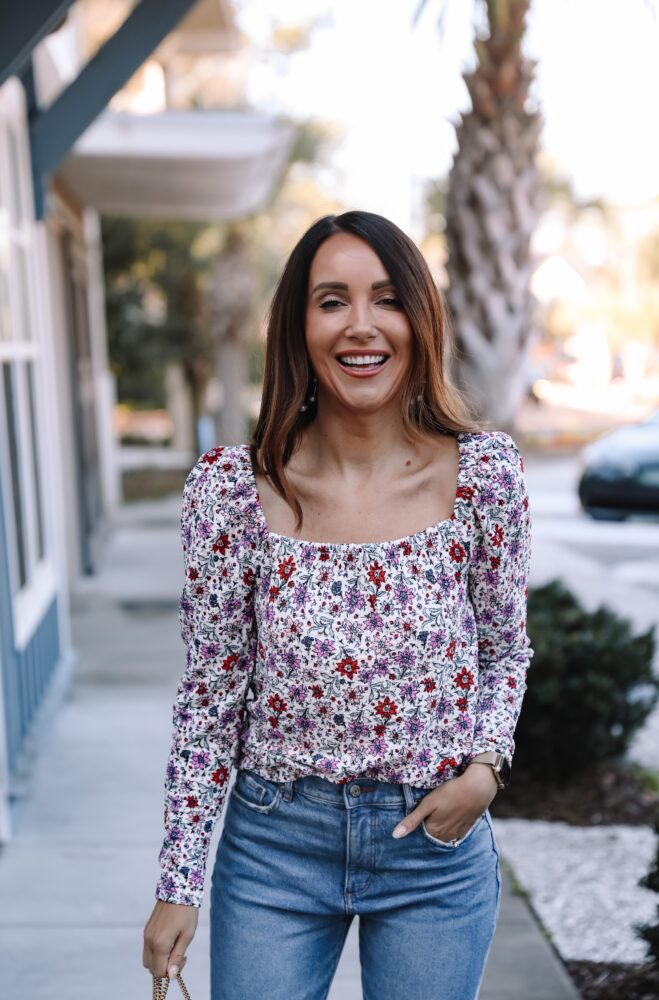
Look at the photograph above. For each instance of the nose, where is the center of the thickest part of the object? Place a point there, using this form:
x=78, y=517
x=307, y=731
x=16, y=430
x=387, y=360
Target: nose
x=361, y=319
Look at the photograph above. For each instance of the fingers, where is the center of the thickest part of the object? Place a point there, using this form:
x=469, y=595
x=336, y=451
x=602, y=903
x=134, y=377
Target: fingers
x=438, y=823
x=176, y=963
x=167, y=959
x=458, y=801
x=156, y=958
x=168, y=933
x=423, y=808
x=444, y=803
x=411, y=821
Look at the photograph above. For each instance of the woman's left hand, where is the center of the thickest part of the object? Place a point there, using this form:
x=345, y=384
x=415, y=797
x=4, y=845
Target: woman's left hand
x=451, y=809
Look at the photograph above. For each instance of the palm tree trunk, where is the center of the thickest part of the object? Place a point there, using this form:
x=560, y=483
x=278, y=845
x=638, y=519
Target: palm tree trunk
x=492, y=209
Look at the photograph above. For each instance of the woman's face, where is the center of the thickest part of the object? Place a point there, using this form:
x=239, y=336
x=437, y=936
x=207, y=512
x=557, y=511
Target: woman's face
x=353, y=313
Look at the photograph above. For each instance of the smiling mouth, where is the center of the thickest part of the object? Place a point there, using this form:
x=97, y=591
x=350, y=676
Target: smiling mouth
x=366, y=363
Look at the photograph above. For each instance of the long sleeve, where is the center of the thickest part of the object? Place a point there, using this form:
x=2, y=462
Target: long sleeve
x=498, y=589
x=217, y=627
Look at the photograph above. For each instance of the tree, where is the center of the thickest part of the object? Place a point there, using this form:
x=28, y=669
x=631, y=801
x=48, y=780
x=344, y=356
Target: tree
x=492, y=206
x=154, y=299
x=192, y=292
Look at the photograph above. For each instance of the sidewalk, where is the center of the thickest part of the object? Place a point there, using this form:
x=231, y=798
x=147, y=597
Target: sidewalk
x=77, y=881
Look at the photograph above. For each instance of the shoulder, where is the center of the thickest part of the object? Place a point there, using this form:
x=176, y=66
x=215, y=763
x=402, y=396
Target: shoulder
x=217, y=487
x=494, y=454
x=497, y=477
x=224, y=464
x=217, y=534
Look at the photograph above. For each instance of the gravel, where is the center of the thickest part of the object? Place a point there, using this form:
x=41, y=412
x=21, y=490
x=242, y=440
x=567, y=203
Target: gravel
x=583, y=884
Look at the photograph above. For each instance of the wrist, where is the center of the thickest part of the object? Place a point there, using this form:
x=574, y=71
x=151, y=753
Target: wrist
x=481, y=777
x=497, y=763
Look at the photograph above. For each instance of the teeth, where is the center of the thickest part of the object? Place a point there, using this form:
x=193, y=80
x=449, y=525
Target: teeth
x=366, y=359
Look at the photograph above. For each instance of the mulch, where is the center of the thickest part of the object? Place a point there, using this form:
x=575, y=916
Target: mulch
x=615, y=982
x=612, y=793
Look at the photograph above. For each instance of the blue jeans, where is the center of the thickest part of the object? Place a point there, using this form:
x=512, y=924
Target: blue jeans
x=298, y=859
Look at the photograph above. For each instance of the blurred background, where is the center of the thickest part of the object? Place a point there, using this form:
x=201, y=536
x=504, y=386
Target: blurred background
x=158, y=161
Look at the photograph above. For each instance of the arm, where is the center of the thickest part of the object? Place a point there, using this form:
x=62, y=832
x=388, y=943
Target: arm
x=498, y=589
x=217, y=627
x=498, y=577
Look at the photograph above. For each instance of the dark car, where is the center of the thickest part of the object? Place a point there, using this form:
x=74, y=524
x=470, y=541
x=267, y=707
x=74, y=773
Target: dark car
x=619, y=472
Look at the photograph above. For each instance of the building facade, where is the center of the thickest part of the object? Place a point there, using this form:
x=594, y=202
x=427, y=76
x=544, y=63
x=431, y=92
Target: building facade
x=59, y=467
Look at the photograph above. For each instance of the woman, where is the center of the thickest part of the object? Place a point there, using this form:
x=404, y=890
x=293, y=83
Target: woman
x=361, y=569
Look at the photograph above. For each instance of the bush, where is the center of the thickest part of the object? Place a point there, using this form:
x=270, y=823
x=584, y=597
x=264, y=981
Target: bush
x=650, y=932
x=590, y=685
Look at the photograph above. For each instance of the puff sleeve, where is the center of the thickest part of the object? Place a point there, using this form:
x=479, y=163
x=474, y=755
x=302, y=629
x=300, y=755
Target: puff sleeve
x=498, y=589
x=217, y=627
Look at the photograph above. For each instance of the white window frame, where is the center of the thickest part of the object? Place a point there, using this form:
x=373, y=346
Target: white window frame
x=23, y=346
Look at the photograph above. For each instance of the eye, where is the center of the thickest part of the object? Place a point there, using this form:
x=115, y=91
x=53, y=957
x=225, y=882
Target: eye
x=390, y=300
x=330, y=302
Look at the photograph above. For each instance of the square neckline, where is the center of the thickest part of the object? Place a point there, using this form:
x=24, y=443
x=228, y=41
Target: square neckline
x=416, y=535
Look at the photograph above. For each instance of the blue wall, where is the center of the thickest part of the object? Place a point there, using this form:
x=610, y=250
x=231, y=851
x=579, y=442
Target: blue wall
x=33, y=669
x=26, y=672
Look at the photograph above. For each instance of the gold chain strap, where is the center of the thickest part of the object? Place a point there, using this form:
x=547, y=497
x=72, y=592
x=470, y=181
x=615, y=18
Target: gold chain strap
x=161, y=985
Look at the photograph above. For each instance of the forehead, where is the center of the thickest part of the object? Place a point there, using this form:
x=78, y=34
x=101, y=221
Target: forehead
x=342, y=255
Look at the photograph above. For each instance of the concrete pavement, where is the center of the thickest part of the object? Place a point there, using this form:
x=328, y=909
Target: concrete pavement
x=77, y=880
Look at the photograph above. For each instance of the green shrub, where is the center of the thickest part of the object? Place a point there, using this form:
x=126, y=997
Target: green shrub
x=590, y=685
x=650, y=932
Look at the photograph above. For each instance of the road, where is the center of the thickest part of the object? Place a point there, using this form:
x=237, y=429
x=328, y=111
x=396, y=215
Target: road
x=629, y=549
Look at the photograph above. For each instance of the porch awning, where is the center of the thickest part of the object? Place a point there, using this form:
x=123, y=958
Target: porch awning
x=220, y=165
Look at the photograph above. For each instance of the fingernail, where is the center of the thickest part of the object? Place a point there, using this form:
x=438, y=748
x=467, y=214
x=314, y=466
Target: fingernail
x=172, y=971
x=400, y=831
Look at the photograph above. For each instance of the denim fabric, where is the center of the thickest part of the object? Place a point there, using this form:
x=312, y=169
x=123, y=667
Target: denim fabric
x=298, y=859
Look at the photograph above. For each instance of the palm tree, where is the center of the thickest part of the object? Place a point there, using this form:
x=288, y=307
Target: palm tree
x=492, y=208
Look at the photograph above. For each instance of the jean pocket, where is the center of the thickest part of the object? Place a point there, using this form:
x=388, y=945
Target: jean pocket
x=256, y=792
x=451, y=845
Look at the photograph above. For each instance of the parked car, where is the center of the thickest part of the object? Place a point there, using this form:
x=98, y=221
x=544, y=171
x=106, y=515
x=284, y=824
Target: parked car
x=619, y=472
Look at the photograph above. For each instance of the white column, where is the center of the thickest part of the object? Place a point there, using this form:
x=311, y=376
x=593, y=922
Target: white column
x=104, y=384
x=230, y=422
x=179, y=407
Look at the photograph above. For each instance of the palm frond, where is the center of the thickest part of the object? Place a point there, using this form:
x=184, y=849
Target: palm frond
x=441, y=15
x=419, y=11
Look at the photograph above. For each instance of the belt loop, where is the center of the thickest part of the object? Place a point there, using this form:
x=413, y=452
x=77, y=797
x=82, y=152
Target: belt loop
x=287, y=789
x=409, y=797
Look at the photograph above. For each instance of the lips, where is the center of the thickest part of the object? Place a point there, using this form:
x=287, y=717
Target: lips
x=362, y=368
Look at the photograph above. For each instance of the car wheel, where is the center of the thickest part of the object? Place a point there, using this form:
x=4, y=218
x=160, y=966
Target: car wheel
x=605, y=514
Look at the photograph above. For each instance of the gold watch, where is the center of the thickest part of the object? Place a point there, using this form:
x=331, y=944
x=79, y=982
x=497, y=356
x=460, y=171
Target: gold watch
x=499, y=764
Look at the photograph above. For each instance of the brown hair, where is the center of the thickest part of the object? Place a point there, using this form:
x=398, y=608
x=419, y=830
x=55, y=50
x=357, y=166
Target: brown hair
x=441, y=408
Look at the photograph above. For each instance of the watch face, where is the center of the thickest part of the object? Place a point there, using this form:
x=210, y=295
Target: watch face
x=504, y=771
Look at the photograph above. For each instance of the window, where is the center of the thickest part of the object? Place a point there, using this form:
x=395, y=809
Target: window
x=20, y=456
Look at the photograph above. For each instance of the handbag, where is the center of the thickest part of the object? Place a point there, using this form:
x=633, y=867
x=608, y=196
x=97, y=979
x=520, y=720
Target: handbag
x=161, y=985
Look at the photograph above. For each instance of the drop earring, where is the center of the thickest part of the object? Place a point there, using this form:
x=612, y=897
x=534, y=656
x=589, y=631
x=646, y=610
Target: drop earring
x=312, y=397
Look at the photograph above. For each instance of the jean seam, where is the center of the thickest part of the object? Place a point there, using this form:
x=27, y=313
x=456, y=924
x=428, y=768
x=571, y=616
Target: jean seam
x=446, y=844
x=262, y=810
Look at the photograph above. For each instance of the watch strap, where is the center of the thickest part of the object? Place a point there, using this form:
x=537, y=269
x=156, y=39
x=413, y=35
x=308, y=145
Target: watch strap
x=499, y=764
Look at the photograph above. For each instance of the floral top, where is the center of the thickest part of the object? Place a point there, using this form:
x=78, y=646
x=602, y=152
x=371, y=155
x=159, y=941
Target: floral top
x=397, y=660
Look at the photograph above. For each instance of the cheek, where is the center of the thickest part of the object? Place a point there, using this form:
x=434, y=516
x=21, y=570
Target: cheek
x=320, y=333
x=404, y=338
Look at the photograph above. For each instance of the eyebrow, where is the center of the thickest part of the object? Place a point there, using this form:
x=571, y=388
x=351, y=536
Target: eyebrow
x=342, y=286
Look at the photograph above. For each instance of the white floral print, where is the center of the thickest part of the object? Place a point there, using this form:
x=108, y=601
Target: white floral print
x=399, y=660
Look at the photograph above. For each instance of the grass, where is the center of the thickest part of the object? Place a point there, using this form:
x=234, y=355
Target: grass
x=646, y=777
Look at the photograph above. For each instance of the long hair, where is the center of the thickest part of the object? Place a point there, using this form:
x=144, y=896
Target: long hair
x=430, y=402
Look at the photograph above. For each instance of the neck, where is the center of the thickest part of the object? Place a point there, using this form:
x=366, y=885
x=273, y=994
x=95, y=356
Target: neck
x=357, y=446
